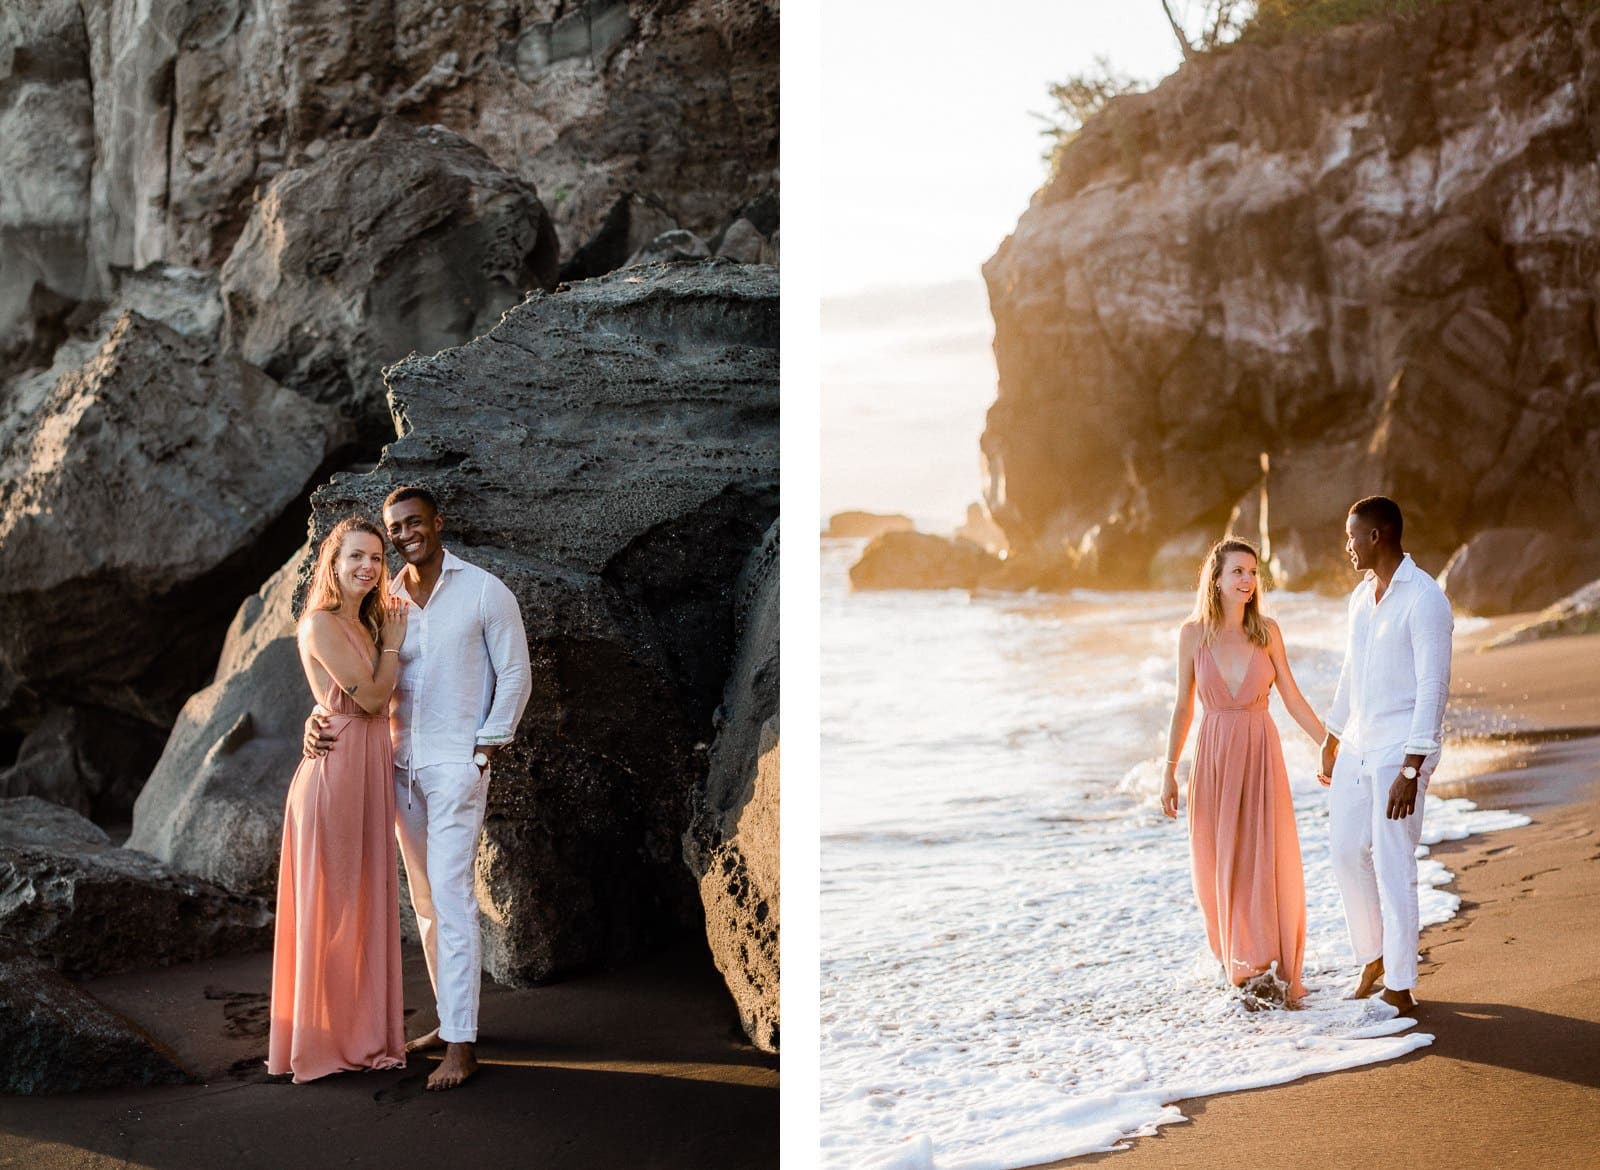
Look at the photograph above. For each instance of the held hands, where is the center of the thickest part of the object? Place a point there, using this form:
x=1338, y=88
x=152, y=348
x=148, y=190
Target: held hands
x=1330, y=754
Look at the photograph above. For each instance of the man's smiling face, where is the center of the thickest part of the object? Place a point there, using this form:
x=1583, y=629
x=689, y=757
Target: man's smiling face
x=414, y=530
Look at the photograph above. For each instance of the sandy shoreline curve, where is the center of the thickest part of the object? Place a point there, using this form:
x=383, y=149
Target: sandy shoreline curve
x=1510, y=987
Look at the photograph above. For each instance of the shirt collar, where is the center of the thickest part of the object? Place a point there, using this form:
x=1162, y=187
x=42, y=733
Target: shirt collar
x=1404, y=571
x=450, y=564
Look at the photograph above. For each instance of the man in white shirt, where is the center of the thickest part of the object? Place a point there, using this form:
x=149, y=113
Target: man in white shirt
x=464, y=682
x=1382, y=745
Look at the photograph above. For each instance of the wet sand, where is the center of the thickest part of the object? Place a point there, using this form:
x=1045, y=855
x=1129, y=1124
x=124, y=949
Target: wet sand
x=642, y=1068
x=1510, y=987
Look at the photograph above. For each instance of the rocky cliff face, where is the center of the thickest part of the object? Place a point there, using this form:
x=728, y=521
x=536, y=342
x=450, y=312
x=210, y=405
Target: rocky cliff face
x=137, y=130
x=1370, y=254
x=610, y=451
x=219, y=224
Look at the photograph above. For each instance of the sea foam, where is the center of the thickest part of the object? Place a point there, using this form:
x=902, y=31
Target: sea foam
x=1014, y=969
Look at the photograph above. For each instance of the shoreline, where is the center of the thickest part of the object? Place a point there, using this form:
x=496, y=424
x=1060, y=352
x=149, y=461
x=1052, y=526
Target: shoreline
x=1509, y=987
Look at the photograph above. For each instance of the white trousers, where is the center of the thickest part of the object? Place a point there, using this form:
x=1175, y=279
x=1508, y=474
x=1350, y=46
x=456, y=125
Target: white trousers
x=1375, y=859
x=437, y=821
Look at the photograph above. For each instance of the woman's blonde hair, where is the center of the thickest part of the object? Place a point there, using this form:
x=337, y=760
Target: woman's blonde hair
x=324, y=593
x=1208, y=598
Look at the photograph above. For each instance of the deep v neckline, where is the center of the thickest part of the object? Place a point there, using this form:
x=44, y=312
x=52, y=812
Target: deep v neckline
x=1233, y=693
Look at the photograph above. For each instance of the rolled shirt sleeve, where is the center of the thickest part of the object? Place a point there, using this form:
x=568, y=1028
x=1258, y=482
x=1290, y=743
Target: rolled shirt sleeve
x=507, y=644
x=1431, y=627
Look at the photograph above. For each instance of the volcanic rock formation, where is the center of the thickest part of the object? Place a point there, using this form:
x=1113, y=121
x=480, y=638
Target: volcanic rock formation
x=610, y=451
x=140, y=494
x=732, y=843
x=408, y=241
x=1369, y=253
x=137, y=130
x=71, y=897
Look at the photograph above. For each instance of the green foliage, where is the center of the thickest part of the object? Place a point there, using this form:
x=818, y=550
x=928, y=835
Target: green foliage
x=1079, y=98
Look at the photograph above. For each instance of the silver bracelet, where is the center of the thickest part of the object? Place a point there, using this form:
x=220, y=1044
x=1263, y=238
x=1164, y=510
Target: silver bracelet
x=391, y=651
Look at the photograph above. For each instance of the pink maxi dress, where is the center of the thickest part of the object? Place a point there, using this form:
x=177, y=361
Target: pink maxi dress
x=336, y=992
x=1243, y=844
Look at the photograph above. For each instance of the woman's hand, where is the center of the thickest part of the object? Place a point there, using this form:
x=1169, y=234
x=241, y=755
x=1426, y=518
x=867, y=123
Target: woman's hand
x=394, y=622
x=1169, y=795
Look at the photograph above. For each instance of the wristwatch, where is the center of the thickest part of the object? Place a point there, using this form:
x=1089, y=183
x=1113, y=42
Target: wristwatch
x=1408, y=772
x=482, y=761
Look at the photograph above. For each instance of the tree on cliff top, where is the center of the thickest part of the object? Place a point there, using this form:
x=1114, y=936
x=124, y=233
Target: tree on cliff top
x=1079, y=98
x=1217, y=23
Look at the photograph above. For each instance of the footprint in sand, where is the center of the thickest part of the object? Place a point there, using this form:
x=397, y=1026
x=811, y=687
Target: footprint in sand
x=403, y=1090
x=246, y=1013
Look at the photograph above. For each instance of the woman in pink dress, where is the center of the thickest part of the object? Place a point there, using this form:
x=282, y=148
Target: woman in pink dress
x=1244, y=850
x=336, y=997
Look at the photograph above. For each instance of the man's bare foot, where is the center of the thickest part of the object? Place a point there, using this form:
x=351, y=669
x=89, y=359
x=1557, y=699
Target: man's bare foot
x=1402, y=1001
x=425, y=1043
x=460, y=1062
x=1370, y=974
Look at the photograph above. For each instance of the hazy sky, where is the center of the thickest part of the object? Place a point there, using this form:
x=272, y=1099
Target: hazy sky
x=929, y=152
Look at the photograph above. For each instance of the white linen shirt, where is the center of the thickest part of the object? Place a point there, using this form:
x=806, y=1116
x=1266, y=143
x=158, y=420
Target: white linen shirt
x=464, y=674
x=1396, y=673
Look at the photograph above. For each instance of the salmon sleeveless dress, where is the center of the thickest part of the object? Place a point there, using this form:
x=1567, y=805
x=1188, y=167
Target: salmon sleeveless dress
x=1243, y=845
x=336, y=992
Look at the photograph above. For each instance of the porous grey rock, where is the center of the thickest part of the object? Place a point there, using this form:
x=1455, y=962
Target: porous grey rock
x=855, y=525
x=920, y=560
x=1362, y=252
x=742, y=242
x=611, y=452
x=408, y=241
x=141, y=494
x=732, y=844
x=72, y=898
x=59, y=1039
x=1509, y=570
x=677, y=244
x=631, y=223
x=213, y=806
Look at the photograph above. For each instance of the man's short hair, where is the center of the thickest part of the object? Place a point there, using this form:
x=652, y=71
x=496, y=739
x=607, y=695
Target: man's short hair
x=412, y=492
x=1382, y=513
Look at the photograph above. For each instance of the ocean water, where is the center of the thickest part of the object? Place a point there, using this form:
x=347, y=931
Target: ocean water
x=1013, y=966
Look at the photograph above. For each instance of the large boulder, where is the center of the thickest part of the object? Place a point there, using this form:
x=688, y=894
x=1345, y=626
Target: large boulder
x=71, y=897
x=141, y=494
x=1363, y=253
x=859, y=525
x=611, y=452
x=732, y=844
x=59, y=1039
x=1509, y=570
x=1574, y=615
x=214, y=804
x=410, y=240
x=921, y=560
